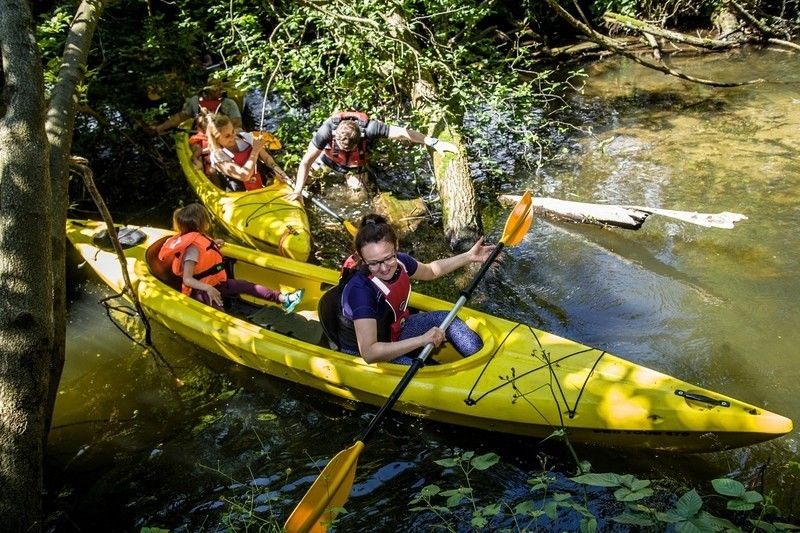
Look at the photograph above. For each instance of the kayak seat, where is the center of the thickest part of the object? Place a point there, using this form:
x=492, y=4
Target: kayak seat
x=328, y=311
x=293, y=325
x=161, y=270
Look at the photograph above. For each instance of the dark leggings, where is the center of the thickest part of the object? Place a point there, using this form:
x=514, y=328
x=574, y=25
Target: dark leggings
x=466, y=341
x=235, y=287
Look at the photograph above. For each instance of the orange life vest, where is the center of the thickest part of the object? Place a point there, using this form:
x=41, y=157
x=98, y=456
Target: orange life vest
x=209, y=269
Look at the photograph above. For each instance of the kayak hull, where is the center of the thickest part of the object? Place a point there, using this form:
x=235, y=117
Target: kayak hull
x=262, y=219
x=524, y=381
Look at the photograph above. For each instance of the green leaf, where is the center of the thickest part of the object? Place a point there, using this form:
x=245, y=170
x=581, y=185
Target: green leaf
x=639, y=484
x=551, y=510
x=739, y=505
x=491, y=510
x=526, y=507
x=670, y=517
x=624, y=494
x=482, y=462
x=478, y=521
x=688, y=504
x=588, y=525
x=429, y=491
x=562, y=496
x=635, y=519
x=598, y=480
x=728, y=487
x=447, y=463
x=752, y=496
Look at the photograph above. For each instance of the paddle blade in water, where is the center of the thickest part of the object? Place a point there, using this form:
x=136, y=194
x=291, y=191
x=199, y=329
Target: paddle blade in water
x=328, y=492
x=519, y=221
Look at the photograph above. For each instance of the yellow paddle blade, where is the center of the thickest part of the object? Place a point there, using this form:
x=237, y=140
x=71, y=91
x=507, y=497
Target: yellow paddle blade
x=272, y=142
x=519, y=221
x=328, y=492
x=350, y=227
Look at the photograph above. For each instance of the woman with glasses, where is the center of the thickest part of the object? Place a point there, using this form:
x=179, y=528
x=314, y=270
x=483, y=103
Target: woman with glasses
x=375, y=321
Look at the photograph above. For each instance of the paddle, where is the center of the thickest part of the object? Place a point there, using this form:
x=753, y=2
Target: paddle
x=332, y=487
x=349, y=226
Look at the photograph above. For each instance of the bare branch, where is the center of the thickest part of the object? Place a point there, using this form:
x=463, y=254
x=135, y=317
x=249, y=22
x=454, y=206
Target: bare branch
x=613, y=45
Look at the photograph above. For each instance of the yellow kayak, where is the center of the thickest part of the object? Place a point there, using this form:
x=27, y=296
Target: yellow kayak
x=262, y=219
x=524, y=381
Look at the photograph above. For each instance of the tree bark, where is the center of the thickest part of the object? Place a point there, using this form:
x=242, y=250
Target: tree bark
x=460, y=218
x=26, y=280
x=34, y=159
x=60, y=124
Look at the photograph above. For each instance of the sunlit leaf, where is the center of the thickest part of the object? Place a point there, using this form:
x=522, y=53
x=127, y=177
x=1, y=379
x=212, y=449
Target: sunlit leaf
x=482, y=462
x=728, y=487
x=598, y=480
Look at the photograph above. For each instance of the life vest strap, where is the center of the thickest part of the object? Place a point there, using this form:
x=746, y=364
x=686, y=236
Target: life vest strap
x=219, y=267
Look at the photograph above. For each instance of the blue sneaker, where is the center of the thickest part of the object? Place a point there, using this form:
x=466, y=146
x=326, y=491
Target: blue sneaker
x=292, y=300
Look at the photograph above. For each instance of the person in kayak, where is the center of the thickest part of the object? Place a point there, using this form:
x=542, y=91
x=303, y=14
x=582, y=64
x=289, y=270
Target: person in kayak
x=212, y=98
x=235, y=155
x=197, y=259
x=374, y=320
x=342, y=144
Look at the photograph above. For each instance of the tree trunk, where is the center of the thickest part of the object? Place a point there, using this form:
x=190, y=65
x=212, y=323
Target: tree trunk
x=462, y=223
x=26, y=312
x=59, y=126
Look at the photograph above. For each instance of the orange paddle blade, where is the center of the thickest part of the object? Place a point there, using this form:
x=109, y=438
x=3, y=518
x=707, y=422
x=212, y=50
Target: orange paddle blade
x=519, y=221
x=328, y=492
x=271, y=142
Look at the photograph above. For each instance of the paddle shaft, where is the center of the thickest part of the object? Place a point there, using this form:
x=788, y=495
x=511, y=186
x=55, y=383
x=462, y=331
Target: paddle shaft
x=322, y=206
x=418, y=361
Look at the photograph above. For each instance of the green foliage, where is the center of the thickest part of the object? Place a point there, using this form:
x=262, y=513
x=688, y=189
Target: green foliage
x=637, y=503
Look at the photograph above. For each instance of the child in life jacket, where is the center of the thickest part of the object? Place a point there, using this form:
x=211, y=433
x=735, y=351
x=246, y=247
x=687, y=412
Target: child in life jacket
x=197, y=259
x=235, y=155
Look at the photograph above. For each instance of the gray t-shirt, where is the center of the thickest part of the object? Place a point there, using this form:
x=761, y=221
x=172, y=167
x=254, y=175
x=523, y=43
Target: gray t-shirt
x=375, y=130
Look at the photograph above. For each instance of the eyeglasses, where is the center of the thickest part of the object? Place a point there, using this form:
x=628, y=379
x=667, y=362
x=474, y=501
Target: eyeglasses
x=388, y=261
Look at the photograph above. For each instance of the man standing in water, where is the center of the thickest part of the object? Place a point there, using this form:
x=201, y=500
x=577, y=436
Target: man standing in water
x=342, y=144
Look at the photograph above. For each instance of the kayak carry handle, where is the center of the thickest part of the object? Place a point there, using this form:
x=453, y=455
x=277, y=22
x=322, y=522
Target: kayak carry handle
x=701, y=398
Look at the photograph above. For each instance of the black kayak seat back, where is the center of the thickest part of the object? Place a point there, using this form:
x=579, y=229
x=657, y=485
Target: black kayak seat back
x=127, y=237
x=328, y=311
x=161, y=270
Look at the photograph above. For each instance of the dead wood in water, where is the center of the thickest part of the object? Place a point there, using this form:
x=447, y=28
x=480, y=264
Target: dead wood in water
x=621, y=216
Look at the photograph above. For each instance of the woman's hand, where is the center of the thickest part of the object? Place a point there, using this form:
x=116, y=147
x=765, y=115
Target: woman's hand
x=433, y=336
x=480, y=252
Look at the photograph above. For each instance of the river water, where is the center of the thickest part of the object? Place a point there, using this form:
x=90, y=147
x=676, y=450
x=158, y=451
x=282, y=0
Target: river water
x=187, y=441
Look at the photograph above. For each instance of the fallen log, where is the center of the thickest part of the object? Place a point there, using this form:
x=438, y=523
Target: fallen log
x=621, y=216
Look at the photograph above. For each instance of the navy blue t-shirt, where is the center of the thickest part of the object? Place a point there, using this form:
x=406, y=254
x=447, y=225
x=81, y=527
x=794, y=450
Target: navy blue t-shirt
x=360, y=295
